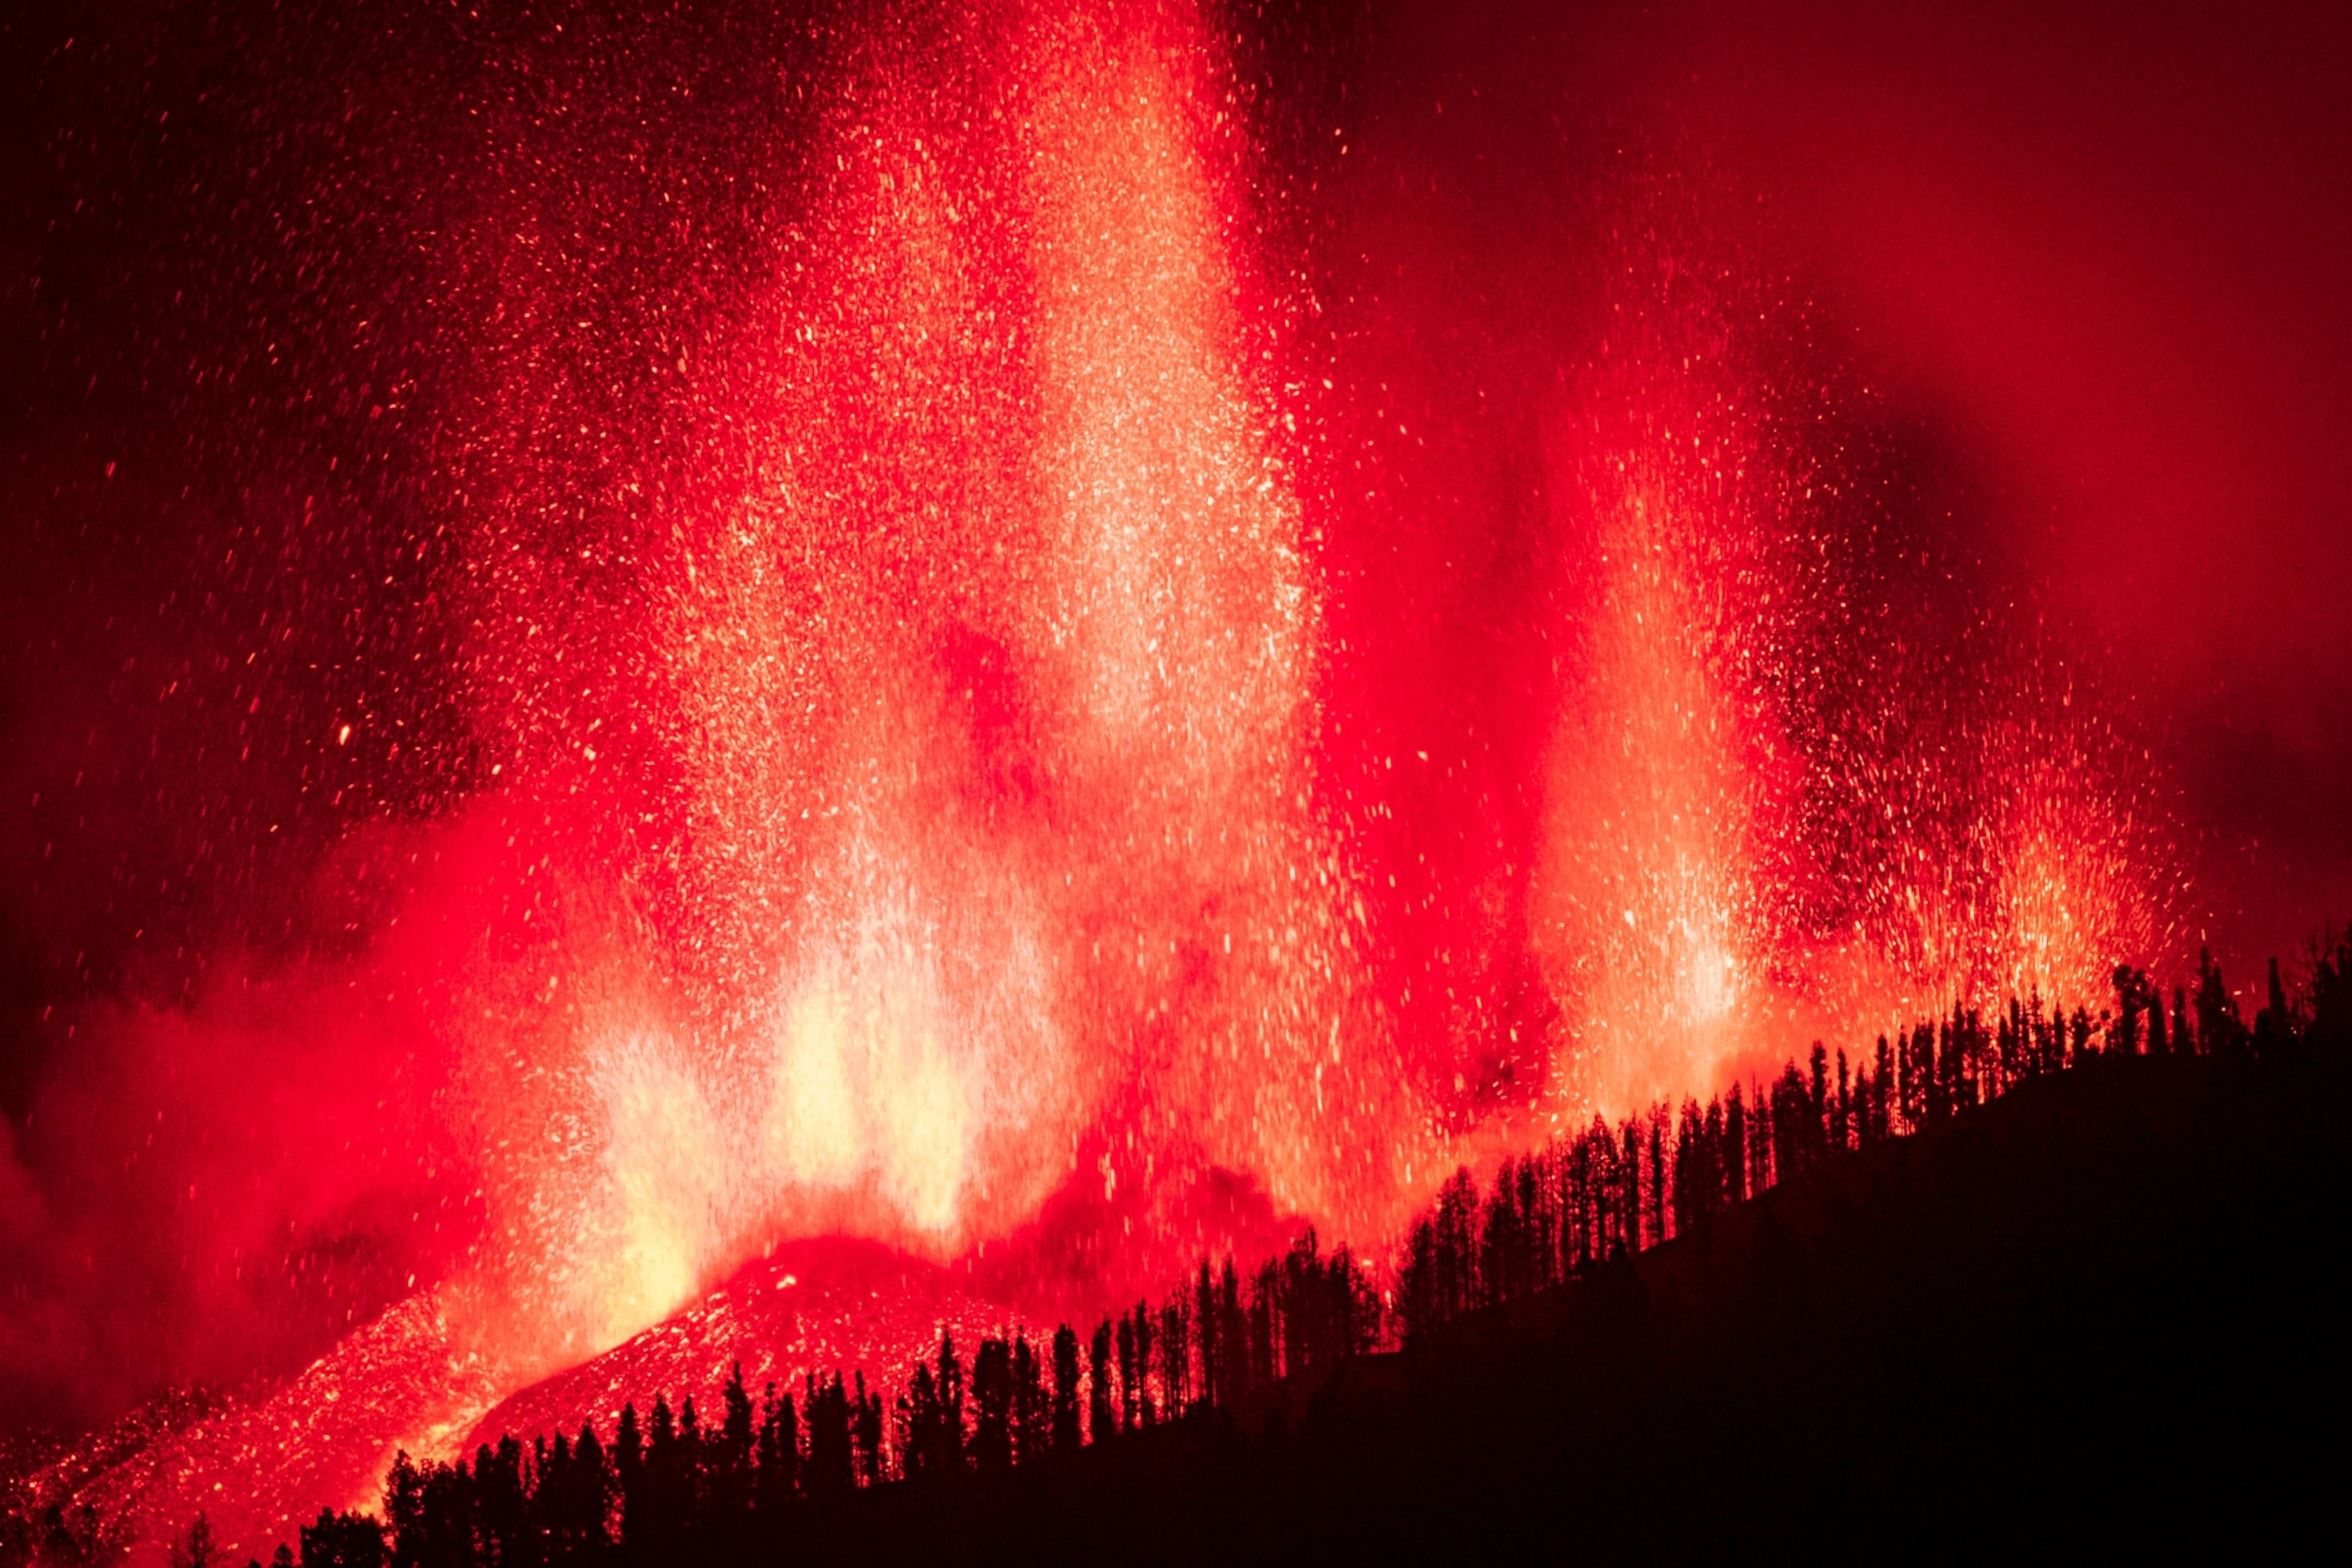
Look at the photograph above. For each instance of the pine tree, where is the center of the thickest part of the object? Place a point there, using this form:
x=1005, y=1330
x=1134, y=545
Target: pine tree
x=693, y=1458
x=1175, y=1357
x=1420, y=1294
x=1659, y=1191
x=1067, y=1434
x=1102, y=1420
x=1206, y=1322
x=499, y=1491
x=1146, y=1340
x=1031, y=1410
x=1841, y=1109
x=992, y=1396
x=195, y=1548
x=831, y=1465
x=2330, y=1026
x=1629, y=1168
x=403, y=1510
x=1129, y=1415
x=2218, y=1032
x=629, y=1472
x=918, y=1426
x=2124, y=1034
x=1265, y=1324
x=589, y=1507
x=952, y=1406
x=867, y=1460
x=342, y=1541
x=1738, y=1140
x=728, y=1460
x=779, y=1453
x=2274, y=1025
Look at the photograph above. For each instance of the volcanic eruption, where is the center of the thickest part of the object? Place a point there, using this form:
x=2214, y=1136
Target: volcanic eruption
x=899, y=669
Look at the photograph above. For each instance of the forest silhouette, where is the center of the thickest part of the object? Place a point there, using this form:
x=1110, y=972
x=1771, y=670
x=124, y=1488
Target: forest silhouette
x=2052, y=1270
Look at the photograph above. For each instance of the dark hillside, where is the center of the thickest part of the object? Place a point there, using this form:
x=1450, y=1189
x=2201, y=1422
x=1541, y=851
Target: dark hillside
x=2104, y=1311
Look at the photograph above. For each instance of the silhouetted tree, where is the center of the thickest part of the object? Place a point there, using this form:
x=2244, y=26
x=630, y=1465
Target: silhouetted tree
x=1419, y=1303
x=403, y=1510
x=1175, y=1356
x=1735, y=1147
x=628, y=1471
x=1233, y=1335
x=992, y=1397
x=728, y=1452
x=1129, y=1415
x=1266, y=1323
x=2330, y=1025
x=194, y=1547
x=446, y=1529
x=2133, y=998
x=2274, y=1025
x=1146, y=1338
x=868, y=1461
x=501, y=1523
x=1692, y=1169
x=1206, y=1322
x=830, y=1466
x=1628, y=1176
x=779, y=1453
x=1659, y=1196
x=586, y=1512
x=68, y=1539
x=1882, y=1091
x=342, y=1541
x=1505, y=1259
x=1066, y=1436
x=952, y=1404
x=2218, y=1032
x=1033, y=1428
x=922, y=1443
x=1841, y=1107
x=1819, y=1081
x=1102, y=1420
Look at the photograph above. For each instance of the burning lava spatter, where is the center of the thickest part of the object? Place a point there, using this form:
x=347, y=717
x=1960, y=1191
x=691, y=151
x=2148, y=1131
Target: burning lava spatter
x=1791, y=795
x=896, y=652
x=919, y=748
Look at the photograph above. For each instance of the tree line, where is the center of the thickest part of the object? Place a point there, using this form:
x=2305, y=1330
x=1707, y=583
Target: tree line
x=1609, y=1191
x=671, y=1482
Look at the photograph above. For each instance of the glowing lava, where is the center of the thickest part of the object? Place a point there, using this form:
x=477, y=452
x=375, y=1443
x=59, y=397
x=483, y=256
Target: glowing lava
x=896, y=650
x=904, y=711
x=1783, y=805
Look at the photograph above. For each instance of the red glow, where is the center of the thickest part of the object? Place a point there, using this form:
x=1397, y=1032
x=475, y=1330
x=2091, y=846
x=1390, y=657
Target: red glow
x=1782, y=805
x=995, y=766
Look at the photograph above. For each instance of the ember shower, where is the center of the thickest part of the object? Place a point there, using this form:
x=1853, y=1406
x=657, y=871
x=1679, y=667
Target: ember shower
x=980, y=703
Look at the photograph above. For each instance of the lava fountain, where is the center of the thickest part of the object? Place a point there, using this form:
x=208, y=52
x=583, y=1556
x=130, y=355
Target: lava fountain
x=1794, y=793
x=896, y=661
x=905, y=702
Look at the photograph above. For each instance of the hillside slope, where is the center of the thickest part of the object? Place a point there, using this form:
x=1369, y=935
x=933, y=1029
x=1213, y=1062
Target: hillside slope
x=2104, y=1311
